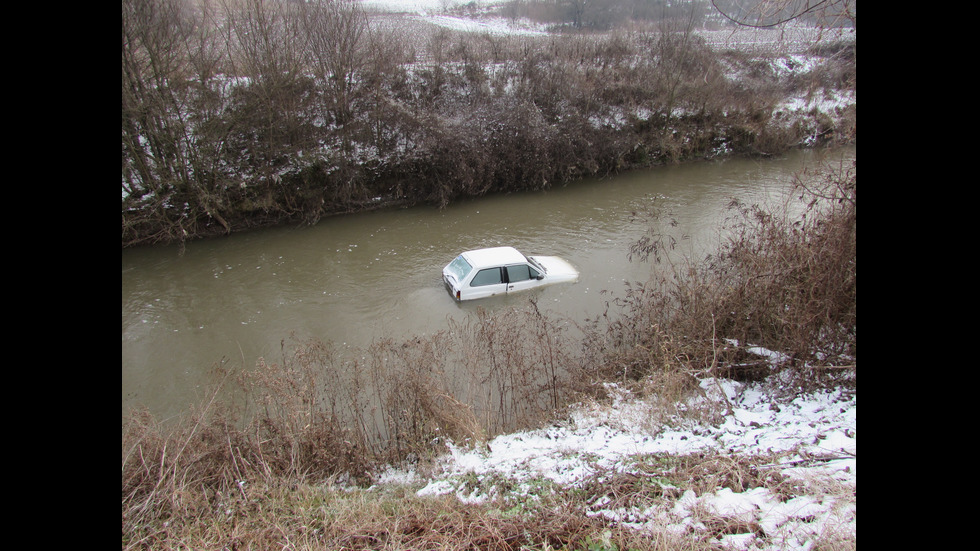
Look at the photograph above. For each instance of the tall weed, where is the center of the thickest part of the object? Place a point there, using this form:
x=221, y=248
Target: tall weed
x=321, y=413
x=785, y=283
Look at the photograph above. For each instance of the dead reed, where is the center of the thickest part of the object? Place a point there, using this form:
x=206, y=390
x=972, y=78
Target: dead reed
x=781, y=282
x=324, y=414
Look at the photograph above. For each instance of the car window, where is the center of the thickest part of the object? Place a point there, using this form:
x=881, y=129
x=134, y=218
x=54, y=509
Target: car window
x=521, y=272
x=487, y=277
x=460, y=268
x=537, y=265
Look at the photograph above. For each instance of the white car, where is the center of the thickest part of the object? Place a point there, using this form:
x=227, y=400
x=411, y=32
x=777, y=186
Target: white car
x=500, y=270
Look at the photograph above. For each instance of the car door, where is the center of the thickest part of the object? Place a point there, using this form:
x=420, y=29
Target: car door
x=487, y=283
x=521, y=277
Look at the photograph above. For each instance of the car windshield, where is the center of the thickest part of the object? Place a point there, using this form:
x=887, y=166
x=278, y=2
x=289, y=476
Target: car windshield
x=459, y=268
x=537, y=265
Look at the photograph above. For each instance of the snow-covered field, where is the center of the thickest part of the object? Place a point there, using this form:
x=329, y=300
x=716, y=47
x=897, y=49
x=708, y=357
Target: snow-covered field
x=436, y=12
x=422, y=6
x=476, y=17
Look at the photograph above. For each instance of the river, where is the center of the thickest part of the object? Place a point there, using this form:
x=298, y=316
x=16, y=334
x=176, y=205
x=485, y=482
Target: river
x=351, y=279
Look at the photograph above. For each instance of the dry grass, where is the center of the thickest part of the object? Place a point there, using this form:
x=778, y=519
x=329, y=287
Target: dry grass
x=324, y=414
x=329, y=516
x=321, y=517
x=783, y=283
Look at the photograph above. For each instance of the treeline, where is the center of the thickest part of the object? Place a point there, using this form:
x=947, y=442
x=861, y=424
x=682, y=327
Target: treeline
x=242, y=113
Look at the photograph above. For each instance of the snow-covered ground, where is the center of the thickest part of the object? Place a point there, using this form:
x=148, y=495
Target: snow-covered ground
x=808, y=441
x=423, y=6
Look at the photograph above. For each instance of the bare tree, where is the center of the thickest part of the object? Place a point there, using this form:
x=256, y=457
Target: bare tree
x=265, y=40
x=334, y=32
x=151, y=59
x=678, y=50
x=157, y=140
x=266, y=43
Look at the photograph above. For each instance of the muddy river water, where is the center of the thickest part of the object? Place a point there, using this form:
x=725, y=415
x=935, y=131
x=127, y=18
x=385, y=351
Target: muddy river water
x=352, y=279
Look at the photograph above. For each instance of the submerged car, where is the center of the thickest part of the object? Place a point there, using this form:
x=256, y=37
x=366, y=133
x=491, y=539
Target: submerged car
x=500, y=270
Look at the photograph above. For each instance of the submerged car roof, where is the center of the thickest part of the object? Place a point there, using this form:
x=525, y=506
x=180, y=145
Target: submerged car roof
x=494, y=256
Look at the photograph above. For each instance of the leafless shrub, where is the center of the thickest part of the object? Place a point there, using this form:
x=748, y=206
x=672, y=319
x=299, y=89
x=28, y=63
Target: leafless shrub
x=178, y=471
x=323, y=413
x=512, y=367
x=239, y=113
x=787, y=284
x=794, y=281
x=416, y=403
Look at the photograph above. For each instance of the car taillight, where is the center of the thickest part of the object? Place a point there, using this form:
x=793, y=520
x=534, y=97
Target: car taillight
x=457, y=295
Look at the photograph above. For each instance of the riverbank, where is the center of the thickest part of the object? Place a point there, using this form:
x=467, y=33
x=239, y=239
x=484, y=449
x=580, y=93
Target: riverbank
x=713, y=408
x=761, y=465
x=444, y=113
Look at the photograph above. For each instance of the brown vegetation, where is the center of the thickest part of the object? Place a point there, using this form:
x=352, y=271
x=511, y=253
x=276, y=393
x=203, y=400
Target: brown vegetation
x=786, y=284
x=323, y=413
x=243, y=113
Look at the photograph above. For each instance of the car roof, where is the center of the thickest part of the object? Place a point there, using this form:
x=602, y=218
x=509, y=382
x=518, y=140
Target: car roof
x=494, y=256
